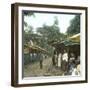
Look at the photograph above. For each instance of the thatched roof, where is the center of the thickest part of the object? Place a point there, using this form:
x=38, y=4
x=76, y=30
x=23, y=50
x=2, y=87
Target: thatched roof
x=73, y=40
x=34, y=48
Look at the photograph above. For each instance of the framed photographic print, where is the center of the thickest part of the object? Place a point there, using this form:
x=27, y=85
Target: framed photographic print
x=48, y=44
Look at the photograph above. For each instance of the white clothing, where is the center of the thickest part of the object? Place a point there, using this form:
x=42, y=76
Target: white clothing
x=65, y=57
x=59, y=60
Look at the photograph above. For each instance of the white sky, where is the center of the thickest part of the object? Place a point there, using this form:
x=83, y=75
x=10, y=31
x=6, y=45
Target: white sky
x=48, y=19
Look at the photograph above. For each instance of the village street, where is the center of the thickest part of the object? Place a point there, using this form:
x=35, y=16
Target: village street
x=32, y=70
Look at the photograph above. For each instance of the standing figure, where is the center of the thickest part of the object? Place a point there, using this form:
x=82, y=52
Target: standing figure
x=71, y=62
x=41, y=60
x=59, y=60
x=77, y=60
x=65, y=61
x=54, y=59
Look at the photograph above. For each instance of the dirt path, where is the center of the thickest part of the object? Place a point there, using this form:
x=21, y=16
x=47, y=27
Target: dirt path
x=47, y=70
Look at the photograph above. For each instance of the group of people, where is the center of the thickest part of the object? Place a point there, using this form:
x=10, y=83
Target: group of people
x=67, y=62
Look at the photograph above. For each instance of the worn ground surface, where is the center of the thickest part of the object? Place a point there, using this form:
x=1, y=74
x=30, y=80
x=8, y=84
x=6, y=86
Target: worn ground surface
x=32, y=70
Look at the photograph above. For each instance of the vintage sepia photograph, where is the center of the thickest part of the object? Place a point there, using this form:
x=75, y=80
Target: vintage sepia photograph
x=49, y=44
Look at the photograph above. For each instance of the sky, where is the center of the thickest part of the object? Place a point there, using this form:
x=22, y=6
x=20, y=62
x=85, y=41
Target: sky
x=48, y=19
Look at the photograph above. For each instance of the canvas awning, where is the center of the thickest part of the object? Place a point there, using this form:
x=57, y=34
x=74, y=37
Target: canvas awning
x=75, y=38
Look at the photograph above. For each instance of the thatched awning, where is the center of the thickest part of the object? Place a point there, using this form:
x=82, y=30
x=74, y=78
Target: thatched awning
x=34, y=48
x=73, y=40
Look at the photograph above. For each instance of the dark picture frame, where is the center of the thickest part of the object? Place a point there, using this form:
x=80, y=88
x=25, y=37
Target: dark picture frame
x=15, y=42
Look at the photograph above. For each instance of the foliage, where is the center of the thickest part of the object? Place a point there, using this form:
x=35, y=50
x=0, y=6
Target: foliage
x=48, y=34
x=74, y=27
x=28, y=13
x=27, y=32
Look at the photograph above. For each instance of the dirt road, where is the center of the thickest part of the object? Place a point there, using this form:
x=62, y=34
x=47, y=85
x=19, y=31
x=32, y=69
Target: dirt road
x=32, y=70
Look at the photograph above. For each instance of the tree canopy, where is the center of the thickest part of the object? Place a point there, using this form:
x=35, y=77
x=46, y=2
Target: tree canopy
x=74, y=27
x=47, y=34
